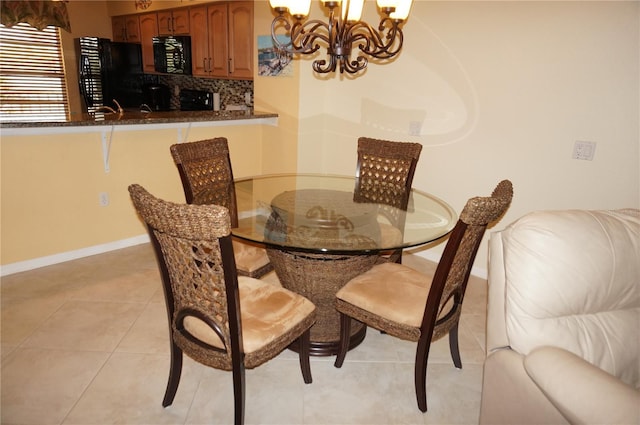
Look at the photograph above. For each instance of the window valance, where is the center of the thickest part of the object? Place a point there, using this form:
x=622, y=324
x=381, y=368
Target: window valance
x=37, y=13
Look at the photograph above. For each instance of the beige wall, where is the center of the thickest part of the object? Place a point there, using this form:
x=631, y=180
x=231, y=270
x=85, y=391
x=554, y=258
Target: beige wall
x=280, y=95
x=51, y=184
x=502, y=90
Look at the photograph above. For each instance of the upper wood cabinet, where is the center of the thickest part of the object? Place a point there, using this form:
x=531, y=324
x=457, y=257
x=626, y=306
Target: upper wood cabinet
x=126, y=28
x=148, y=30
x=222, y=39
x=173, y=22
x=241, y=39
x=200, y=57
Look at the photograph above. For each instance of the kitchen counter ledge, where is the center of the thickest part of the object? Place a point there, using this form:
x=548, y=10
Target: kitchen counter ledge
x=142, y=121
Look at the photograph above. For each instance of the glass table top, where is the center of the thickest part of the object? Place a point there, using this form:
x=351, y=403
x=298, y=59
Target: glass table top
x=321, y=213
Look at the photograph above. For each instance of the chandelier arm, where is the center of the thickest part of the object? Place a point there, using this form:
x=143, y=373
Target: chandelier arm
x=354, y=66
x=322, y=67
x=373, y=42
x=303, y=37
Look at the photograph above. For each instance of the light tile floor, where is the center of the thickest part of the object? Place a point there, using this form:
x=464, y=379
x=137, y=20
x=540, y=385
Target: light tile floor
x=85, y=342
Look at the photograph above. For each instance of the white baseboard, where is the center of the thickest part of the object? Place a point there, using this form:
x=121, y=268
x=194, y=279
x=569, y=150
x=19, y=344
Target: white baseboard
x=137, y=240
x=49, y=260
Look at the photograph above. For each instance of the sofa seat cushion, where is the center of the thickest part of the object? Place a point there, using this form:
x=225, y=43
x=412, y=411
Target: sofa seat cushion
x=572, y=280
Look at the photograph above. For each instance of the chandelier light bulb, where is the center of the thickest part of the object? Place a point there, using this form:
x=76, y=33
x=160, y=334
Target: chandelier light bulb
x=387, y=4
x=403, y=7
x=279, y=4
x=354, y=11
x=299, y=7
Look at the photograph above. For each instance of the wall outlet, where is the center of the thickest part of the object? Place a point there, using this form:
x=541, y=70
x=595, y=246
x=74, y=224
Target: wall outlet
x=584, y=150
x=415, y=127
x=104, y=199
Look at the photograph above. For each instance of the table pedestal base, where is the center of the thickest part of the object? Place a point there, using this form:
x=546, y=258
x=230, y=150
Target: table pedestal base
x=318, y=277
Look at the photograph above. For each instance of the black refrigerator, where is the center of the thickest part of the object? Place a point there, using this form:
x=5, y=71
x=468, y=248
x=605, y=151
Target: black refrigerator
x=109, y=70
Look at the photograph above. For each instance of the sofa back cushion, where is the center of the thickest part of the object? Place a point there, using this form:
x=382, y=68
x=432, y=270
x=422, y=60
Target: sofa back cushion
x=572, y=280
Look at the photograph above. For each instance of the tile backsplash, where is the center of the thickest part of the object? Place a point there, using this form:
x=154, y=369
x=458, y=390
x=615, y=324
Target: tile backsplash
x=232, y=92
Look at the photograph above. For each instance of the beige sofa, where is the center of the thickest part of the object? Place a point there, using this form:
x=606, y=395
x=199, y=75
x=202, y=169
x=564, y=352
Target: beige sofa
x=563, y=321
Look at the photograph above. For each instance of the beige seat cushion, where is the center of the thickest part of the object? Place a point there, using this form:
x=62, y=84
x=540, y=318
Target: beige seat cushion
x=249, y=258
x=267, y=311
x=390, y=290
x=390, y=235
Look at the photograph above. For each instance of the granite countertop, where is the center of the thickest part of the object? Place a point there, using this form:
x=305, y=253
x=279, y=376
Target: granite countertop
x=137, y=117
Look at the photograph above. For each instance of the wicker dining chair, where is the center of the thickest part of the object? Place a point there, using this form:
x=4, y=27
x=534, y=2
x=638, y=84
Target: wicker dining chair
x=216, y=317
x=410, y=305
x=384, y=175
x=207, y=178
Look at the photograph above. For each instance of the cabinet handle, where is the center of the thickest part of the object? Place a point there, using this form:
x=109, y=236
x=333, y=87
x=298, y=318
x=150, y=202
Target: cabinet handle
x=172, y=28
x=204, y=64
x=210, y=69
x=230, y=66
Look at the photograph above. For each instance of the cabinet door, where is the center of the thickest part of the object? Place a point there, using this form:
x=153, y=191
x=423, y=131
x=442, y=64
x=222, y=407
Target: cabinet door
x=218, y=41
x=132, y=29
x=173, y=22
x=148, y=30
x=119, y=28
x=164, y=23
x=200, y=58
x=241, y=39
x=180, y=23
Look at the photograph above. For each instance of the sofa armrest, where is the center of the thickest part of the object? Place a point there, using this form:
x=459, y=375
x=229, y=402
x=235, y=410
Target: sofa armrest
x=509, y=396
x=582, y=392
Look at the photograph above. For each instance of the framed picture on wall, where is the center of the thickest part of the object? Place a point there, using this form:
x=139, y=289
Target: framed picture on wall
x=273, y=62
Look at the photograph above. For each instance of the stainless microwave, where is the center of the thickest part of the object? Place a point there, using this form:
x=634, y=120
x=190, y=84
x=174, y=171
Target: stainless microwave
x=172, y=55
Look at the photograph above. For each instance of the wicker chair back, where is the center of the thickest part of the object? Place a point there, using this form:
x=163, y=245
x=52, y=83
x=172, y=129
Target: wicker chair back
x=384, y=175
x=206, y=173
x=384, y=172
x=207, y=178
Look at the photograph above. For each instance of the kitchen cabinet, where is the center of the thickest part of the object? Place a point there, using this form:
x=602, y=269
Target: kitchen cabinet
x=241, y=39
x=200, y=57
x=148, y=30
x=173, y=22
x=222, y=40
x=126, y=28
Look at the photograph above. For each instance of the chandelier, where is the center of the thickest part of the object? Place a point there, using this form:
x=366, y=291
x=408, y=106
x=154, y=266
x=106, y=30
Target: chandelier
x=341, y=35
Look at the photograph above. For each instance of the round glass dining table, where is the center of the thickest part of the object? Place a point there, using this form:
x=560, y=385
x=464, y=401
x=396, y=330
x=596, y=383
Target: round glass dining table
x=320, y=232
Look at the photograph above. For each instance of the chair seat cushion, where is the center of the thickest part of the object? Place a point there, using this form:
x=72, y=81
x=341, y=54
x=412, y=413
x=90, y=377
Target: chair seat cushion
x=267, y=312
x=389, y=235
x=389, y=290
x=249, y=258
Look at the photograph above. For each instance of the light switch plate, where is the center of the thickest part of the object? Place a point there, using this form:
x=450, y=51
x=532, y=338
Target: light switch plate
x=584, y=150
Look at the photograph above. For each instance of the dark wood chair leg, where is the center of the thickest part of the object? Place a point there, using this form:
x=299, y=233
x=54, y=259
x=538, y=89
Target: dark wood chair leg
x=420, y=377
x=303, y=352
x=175, y=370
x=238, y=394
x=345, y=333
x=396, y=256
x=453, y=346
